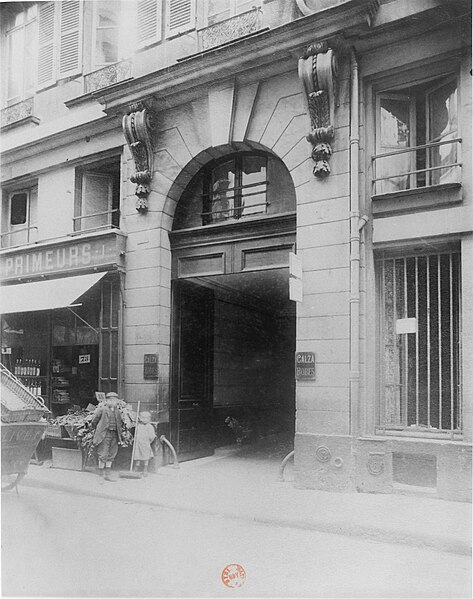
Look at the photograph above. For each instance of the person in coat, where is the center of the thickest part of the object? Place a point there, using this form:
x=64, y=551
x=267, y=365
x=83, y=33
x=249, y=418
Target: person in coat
x=145, y=435
x=107, y=421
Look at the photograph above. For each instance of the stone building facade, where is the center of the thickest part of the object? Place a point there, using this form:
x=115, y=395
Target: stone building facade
x=245, y=187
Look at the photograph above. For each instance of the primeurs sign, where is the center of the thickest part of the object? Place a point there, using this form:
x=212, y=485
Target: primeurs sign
x=67, y=257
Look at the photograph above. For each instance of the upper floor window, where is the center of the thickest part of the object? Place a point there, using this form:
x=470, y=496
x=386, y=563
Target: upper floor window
x=235, y=188
x=21, y=51
x=107, y=29
x=59, y=40
x=416, y=136
x=97, y=202
x=219, y=10
x=19, y=217
x=180, y=16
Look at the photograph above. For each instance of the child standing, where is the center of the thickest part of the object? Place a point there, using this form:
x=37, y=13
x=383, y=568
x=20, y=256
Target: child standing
x=145, y=435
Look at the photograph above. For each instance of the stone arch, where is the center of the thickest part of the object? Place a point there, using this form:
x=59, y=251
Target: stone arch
x=270, y=115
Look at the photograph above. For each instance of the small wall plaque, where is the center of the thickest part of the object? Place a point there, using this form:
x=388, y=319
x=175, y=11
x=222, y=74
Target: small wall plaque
x=305, y=366
x=150, y=366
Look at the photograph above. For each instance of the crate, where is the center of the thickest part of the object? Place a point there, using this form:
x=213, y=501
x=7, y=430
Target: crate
x=67, y=459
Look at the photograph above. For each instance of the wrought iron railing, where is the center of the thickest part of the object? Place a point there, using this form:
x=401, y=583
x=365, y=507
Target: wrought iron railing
x=230, y=29
x=113, y=73
x=108, y=219
x=19, y=237
x=234, y=203
x=16, y=112
x=417, y=167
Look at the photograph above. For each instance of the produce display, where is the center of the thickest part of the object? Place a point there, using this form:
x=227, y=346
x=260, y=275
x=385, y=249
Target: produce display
x=78, y=423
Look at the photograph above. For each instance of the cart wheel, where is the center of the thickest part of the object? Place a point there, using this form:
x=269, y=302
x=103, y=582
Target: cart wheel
x=15, y=483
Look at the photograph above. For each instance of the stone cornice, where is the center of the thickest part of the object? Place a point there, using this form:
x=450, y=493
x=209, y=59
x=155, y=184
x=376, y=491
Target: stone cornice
x=264, y=48
x=58, y=139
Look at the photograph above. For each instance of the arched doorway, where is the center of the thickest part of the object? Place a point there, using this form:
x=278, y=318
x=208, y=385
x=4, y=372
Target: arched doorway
x=233, y=326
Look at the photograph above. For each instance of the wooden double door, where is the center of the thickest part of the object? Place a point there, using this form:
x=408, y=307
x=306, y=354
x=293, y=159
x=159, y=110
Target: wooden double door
x=192, y=430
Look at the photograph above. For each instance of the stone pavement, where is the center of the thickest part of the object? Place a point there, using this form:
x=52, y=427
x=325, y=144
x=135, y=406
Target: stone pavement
x=244, y=485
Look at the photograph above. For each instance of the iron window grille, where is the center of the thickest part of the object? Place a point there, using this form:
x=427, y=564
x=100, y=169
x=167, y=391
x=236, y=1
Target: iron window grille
x=235, y=188
x=420, y=344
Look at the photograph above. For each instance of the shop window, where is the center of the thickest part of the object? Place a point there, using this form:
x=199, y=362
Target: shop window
x=19, y=218
x=21, y=51
x=420, y=343
x=219, y=10
x=109, y=323
x=235, y=188
x=417, y=142
x=97, y=197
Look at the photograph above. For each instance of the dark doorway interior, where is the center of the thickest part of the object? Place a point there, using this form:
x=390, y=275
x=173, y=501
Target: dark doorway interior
x=233, y=360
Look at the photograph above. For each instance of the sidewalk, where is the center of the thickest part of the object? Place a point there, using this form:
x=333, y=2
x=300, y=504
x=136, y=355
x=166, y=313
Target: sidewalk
x=245, y=486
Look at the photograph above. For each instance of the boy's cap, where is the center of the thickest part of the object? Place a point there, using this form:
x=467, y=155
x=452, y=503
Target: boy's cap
x=112, y=394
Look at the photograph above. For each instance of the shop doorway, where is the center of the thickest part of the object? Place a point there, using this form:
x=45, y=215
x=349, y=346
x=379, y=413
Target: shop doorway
x=233, y=361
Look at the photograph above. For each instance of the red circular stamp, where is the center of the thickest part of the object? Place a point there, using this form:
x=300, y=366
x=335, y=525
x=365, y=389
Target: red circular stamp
x=233, y=576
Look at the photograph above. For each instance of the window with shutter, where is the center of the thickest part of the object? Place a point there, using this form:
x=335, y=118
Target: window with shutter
x=149, y=22
x=21, y=49
x=60, y=40
x=46, y=63
x=180, y=16
x=97, y=201
x=70, y=49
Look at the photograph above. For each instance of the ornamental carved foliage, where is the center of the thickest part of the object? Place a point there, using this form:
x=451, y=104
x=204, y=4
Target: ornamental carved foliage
x=317, y=72
x=138, y=125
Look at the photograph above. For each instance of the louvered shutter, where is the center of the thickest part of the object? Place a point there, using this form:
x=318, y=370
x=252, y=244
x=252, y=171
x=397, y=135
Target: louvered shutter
x=180, y=16
x=148, y=22
x=70, y=43
x=46, y=32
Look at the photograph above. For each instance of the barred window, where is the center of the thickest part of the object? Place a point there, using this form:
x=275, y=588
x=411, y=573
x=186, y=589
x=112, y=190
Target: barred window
x=420, y=343
x=235, y=188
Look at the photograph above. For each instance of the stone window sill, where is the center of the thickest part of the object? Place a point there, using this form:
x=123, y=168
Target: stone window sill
x=413, y=200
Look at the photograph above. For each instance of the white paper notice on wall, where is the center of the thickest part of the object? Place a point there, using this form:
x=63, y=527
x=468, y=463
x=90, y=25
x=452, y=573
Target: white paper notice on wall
x=406, y=325
x=295, y=266
x=295, y=290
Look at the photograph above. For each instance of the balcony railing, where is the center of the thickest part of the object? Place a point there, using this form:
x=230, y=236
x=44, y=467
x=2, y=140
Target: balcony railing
x=230, y=29
x=417, y=167
x=99, y=220
x=113, y=73
x=18, y=237
x=20, y=112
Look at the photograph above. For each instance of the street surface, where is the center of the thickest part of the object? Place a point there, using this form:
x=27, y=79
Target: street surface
x=60, y=544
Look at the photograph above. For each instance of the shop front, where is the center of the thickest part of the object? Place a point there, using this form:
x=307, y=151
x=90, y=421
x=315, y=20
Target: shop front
x=61, y=318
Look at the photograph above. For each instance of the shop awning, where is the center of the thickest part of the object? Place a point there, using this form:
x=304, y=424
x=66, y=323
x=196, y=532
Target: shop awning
x=45, y=295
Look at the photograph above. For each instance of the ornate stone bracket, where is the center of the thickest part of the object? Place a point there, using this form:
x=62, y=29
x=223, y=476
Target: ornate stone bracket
x=317, y=72
x=137, y=125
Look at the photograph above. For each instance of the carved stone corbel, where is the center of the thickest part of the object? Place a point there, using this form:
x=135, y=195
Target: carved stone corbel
x=317, y=72
x=137, y=125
